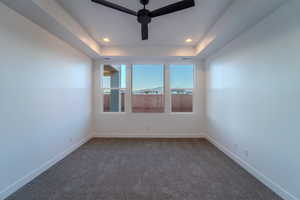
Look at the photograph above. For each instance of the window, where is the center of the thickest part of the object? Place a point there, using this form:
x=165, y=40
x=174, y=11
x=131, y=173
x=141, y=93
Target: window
x=141, y=88
x=181, y=85
x=148, y=88
x=114, y=87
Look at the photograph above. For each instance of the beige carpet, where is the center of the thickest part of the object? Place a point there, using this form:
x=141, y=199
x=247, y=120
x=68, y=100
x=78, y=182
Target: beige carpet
x=142, y=169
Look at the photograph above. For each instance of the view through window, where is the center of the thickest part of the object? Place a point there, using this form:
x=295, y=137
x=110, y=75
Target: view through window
x=147, y=93
x=114, y=88
x=148, y=88
x=181, y=85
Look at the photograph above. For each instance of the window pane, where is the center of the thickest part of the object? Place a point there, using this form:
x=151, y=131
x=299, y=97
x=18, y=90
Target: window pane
x=182, y=100
x=114, y=76
x=181, y=84
x=182, y=76
x=148, y=88
x=114, y=100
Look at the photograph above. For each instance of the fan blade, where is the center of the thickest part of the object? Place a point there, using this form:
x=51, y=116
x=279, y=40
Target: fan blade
x=144, y=31
x=173, y=8
x=115, y=6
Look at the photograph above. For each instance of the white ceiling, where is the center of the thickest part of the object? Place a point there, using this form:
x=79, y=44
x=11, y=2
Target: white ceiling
x=211, y=24
x=124, y=30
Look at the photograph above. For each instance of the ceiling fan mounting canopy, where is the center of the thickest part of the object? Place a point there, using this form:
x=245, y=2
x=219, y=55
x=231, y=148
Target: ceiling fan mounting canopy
x=144, y=2
x=144, y=16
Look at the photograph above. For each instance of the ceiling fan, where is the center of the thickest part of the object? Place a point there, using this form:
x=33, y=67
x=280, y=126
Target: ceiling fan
x=144, y=16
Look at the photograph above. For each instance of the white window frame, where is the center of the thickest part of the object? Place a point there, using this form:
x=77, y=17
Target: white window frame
x=128, y=89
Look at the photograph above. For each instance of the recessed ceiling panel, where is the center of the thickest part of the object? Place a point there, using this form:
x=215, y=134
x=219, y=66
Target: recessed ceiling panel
x=123, y=29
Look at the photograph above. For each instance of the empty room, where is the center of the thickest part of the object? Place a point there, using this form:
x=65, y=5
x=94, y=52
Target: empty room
x=149, y=99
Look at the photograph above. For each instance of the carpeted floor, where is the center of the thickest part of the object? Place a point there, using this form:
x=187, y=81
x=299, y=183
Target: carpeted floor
x=143, y=169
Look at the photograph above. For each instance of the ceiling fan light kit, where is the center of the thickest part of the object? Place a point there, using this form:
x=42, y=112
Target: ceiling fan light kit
x=144, y=16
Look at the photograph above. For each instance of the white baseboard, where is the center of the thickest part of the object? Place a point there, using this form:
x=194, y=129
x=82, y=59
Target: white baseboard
x=255, y=172
x=36, y=172
x=148, y=135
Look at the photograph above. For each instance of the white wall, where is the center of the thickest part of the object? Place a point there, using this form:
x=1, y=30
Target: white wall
x=253, y=99
x=151, y=124
x=45, y=99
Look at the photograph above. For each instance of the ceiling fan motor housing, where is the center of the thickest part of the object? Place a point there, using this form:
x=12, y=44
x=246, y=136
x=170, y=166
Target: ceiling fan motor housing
x=144, y=16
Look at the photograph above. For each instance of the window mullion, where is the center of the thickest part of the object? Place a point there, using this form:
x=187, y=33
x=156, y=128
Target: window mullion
x=128, y=91
x=100, y=90
x=167, y=91
x=195, y=88
x=120, y=100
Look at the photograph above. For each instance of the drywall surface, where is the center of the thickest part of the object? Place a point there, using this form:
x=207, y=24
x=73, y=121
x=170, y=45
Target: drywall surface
x=253, y=99
x=45, y=103
x=151, y=124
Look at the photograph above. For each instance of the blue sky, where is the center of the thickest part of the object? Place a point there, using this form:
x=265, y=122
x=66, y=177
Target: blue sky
x=152, y=76
x=147, y=76
x=181, y=76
